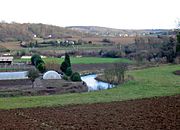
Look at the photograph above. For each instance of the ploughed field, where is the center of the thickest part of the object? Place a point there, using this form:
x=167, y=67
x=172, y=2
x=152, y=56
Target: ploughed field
x=150, y=114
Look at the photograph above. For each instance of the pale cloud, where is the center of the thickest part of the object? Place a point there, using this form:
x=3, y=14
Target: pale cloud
x=129, y=14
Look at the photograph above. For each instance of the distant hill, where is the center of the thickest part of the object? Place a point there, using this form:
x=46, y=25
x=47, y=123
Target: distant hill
x=26, y=31
x=104, y=31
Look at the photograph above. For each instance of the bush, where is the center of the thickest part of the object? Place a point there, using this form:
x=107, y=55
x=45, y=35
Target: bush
x=66, y=63
x=67, y=60
x=111, y=54
x=69, y=71
x=38, y=61
x=41, y=67
x=32, y=75
x=64, y=66
x=65, y=77
x=76, y=77
x=20, y=53
x=116, y=74
x=80, y=42
x=107, y=40
x=35, y=57
x=178, y=45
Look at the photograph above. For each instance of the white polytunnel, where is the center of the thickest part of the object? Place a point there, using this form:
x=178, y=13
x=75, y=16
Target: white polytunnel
x=13, y=75
x=51, y=75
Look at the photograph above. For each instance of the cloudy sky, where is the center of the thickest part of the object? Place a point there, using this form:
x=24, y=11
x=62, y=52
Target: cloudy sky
x=122, y=14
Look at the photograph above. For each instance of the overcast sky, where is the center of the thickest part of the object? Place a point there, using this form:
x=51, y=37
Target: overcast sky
x=122, y=14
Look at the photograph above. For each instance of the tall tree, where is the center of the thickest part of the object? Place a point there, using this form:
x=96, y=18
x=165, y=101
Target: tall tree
x=67, y=59
x=66, y=63
x=178, y=44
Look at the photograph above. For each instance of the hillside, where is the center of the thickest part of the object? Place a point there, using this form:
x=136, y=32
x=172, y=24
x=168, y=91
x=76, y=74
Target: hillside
x=26, y=31
x=104, y=31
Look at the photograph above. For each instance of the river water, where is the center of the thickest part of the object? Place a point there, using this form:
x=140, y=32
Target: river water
x=93, y=84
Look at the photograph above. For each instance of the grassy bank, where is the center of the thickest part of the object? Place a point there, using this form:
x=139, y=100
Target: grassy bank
x=157, y=81
x=82, y=60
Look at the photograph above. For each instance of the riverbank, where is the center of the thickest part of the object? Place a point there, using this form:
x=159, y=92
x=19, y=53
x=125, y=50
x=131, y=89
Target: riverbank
x=99, y=72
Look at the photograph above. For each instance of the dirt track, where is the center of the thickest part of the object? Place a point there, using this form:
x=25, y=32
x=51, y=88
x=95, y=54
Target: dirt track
x=147, y=114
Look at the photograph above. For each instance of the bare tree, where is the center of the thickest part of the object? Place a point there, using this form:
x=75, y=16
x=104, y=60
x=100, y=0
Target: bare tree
x=32, y=75
x=115, y=74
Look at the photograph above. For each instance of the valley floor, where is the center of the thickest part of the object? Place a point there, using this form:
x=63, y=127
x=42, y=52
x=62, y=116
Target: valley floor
x=150, y=114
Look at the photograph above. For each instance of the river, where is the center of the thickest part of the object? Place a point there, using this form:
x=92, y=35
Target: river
x=93, y=84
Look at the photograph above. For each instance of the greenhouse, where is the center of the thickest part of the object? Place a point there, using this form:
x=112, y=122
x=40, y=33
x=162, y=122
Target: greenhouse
x=13, y=75
x=51, y=75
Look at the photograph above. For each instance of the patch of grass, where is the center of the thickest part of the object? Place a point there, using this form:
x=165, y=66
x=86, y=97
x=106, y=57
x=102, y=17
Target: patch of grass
x=157, y=81
x=82, y=60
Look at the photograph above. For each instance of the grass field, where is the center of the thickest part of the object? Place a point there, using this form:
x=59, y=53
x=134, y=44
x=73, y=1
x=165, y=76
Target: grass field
x=82, y=60
x=158, y=81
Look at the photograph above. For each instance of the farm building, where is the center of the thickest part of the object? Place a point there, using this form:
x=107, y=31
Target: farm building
x=6, y=60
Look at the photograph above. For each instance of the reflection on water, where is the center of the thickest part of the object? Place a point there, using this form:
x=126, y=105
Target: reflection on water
x=93, y=84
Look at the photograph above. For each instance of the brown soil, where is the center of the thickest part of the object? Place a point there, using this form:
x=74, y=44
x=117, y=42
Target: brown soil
x=177, y=72
x=12, y=45
x=145, y=114
x=9, y=88
x=17, y=82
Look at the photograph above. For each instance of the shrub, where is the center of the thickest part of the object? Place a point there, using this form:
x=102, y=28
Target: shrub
x=64, y=66
x=178, y=44
x=20, y=53
x=90, y=42
x=65, y=77
x=34, y=57
x=115, y=74
x=41, y=67
x=69, y=71
x=67, y=60
x=107, y=40
x=168, y=51
x=38, y=61
x=79, y=42
x=111, y=53
x=76, y=77
x=66, y=63
x=32, y=75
